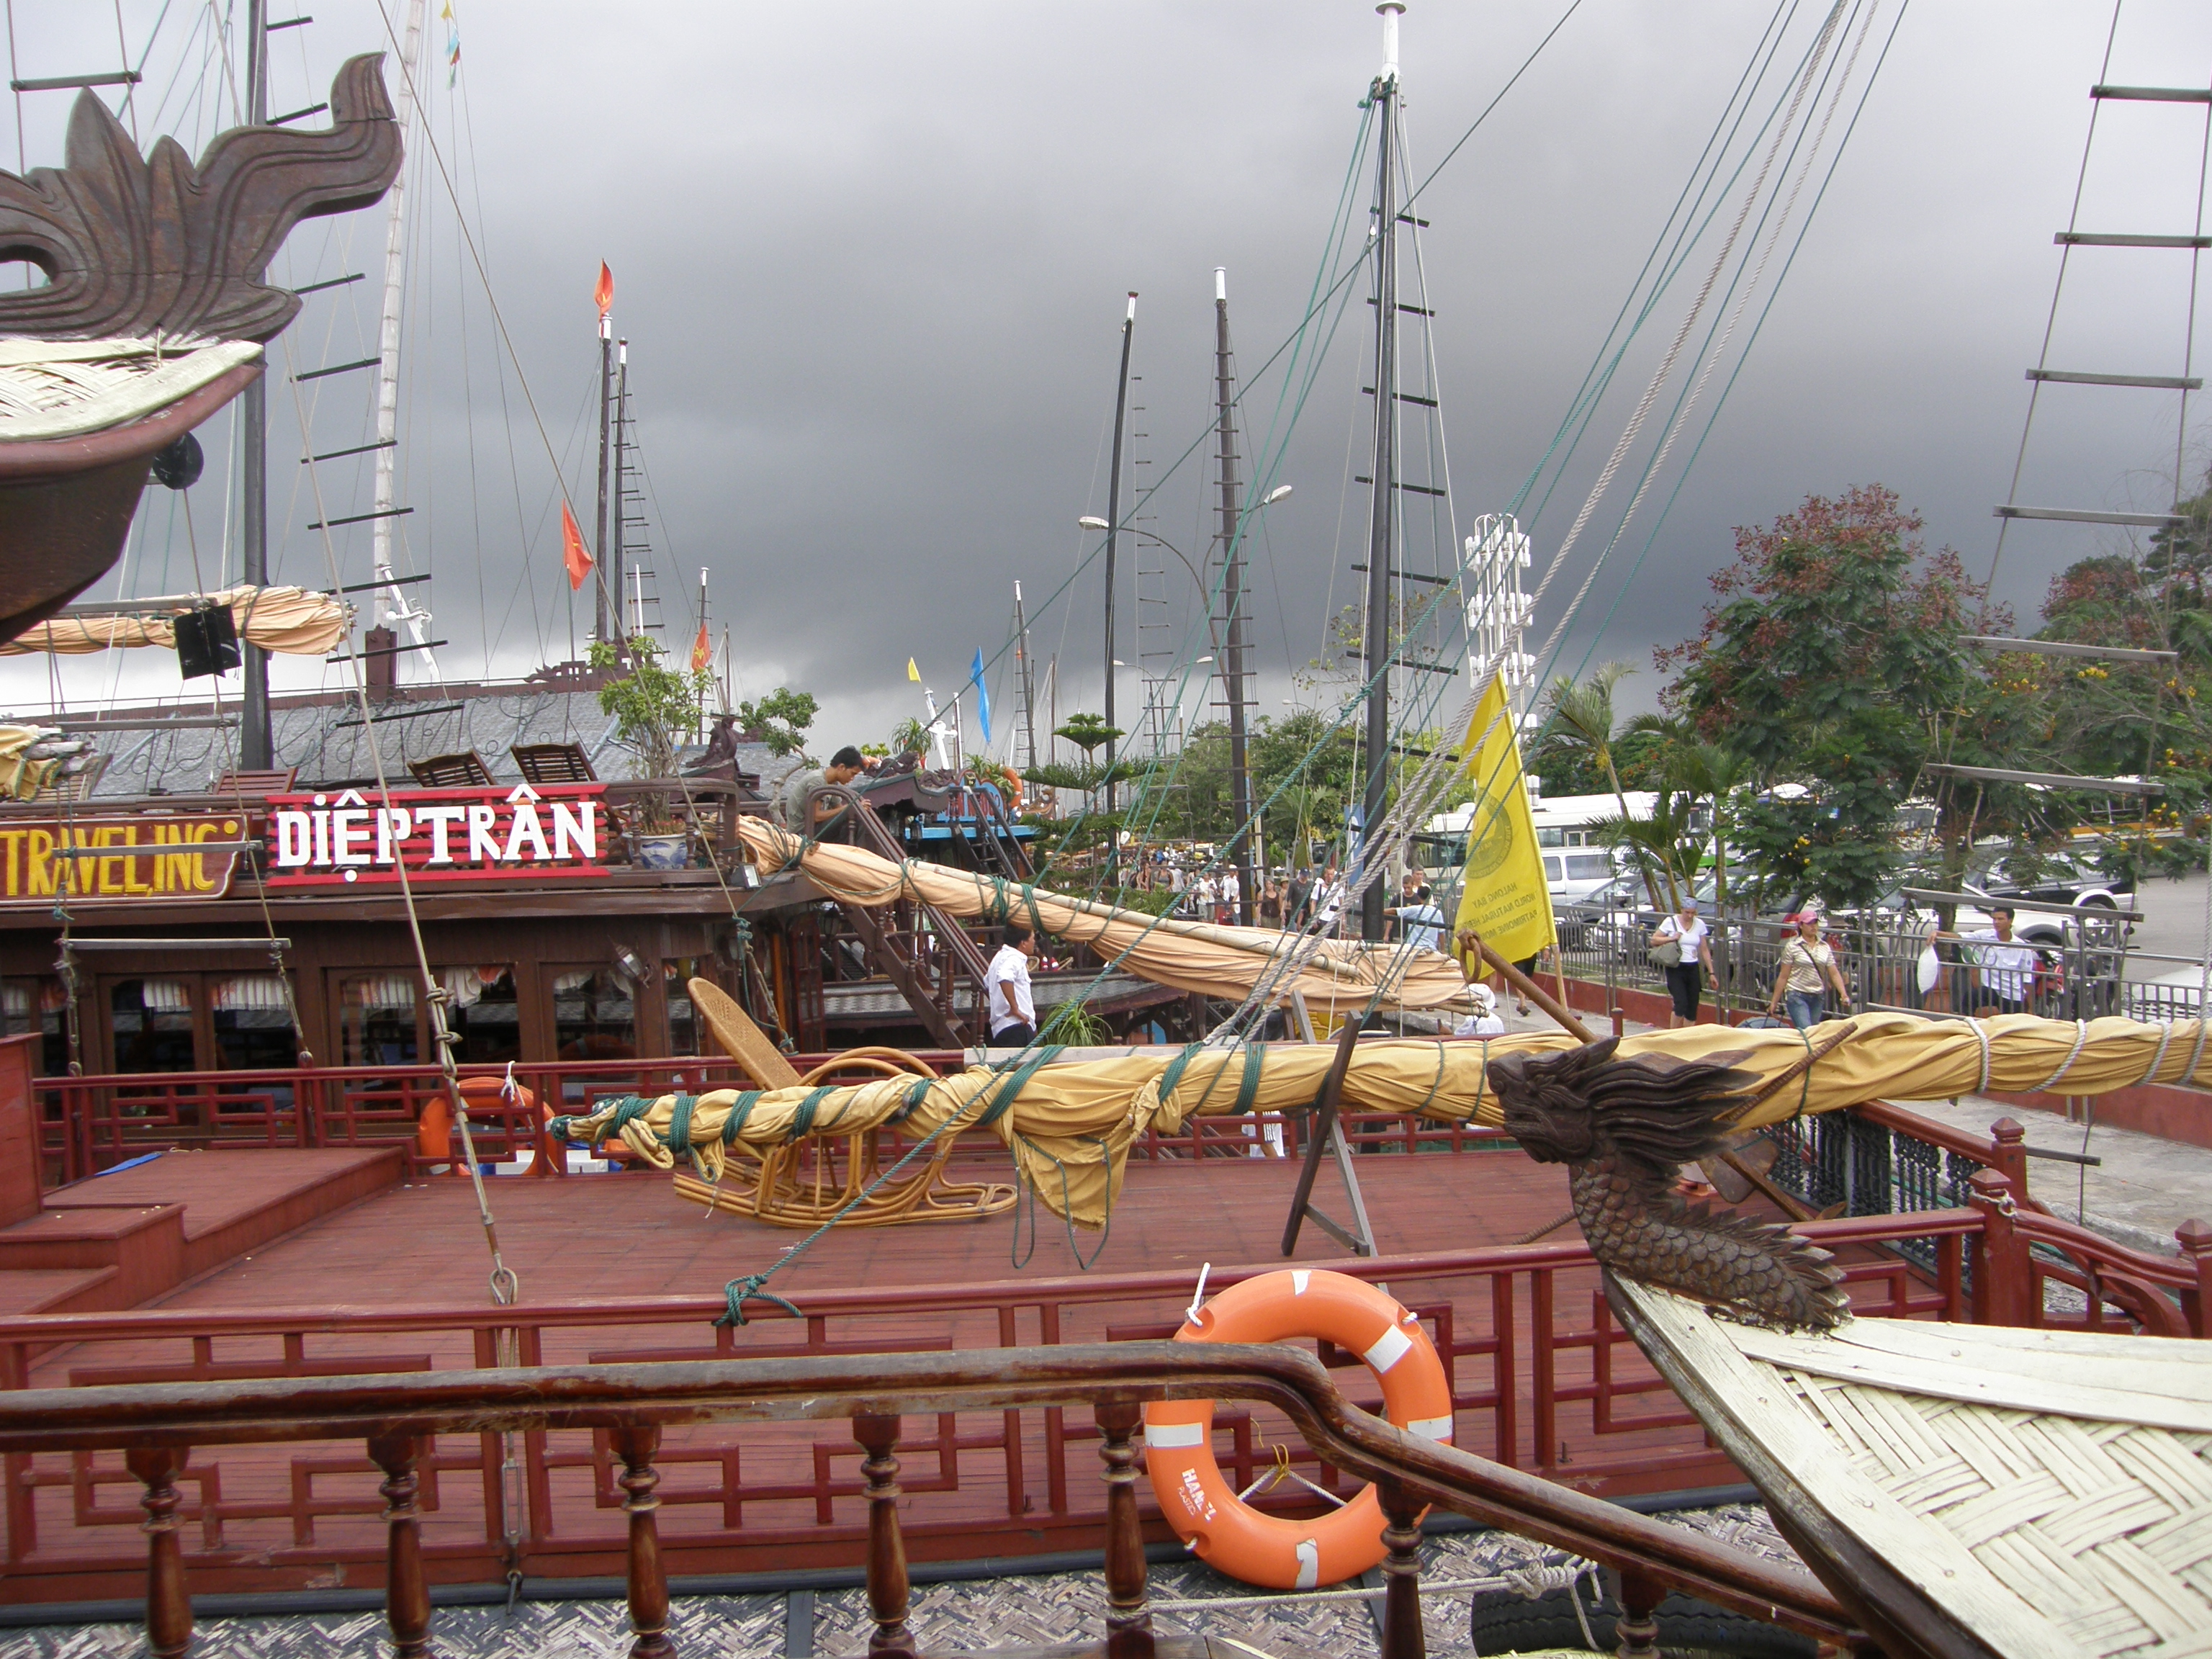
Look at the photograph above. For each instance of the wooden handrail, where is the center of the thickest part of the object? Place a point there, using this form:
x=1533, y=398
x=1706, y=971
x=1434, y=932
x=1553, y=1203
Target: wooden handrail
x=155, y=1421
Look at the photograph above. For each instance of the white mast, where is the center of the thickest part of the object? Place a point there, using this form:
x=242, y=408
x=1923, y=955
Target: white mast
x=392, y=605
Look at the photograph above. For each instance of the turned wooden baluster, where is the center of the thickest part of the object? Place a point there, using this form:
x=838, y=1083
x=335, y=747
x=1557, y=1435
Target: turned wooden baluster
x=1402, y=1636
x=1128, y=1615
x=887, y=1583
x=1638, y=1632
x=406, y=1597
x=648, y=1579
x=169, y=1607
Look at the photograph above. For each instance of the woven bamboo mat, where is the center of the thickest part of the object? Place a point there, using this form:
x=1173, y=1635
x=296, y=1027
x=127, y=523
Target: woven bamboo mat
x=2105, y=1529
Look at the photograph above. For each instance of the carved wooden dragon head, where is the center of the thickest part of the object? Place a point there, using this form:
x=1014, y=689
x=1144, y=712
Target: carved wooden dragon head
x=134, y=247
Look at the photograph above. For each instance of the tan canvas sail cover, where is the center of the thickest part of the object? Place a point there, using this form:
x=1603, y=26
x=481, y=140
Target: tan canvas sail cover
x=1191, y=955
x=1070, y=1126
x=292, y=622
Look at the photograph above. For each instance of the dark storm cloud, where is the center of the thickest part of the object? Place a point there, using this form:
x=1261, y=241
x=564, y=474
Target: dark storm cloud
x=871, y=259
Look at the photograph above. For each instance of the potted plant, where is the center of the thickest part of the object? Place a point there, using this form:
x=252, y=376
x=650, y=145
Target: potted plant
x=650, y=705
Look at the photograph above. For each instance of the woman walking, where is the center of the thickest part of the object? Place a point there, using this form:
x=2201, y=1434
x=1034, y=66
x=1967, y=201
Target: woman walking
x=1694, y=955
x=1808, y=968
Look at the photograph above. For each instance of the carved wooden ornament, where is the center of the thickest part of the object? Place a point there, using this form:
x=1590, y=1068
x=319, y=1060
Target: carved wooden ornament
x=137, y=246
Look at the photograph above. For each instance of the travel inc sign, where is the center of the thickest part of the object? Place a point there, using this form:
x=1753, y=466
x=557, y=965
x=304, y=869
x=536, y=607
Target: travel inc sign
x=525, y=833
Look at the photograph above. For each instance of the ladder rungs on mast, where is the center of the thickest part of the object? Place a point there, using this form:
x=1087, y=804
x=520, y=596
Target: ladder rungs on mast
x=330, y=281
x=385, y=651
x=1408, y=398
x=75, y=83
x=1418, y=311
x=389, y=581
x=358, y=449
x=2125, y=239
x=2049, y=779
x=2157, y=382
x=1417, y=490
x=2067, y=648
x=360, y=518
x=2155, y=94
x=297, y=115
x=336, y=368
x=2075, y=515
x=1412, y=576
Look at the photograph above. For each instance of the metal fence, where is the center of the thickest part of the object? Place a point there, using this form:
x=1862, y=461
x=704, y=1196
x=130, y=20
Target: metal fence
x=2082, y=968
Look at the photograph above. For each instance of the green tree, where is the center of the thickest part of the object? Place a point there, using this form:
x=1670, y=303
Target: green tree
x=1579, y=718
x=1832, y=659
x=651, y=704
x=779, y=720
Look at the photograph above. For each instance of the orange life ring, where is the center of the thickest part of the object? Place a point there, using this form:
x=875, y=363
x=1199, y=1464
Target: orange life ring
x=1202, y=1507
x=433, y=1131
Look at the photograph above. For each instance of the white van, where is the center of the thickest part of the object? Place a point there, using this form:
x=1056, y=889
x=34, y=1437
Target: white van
x=1573, y=874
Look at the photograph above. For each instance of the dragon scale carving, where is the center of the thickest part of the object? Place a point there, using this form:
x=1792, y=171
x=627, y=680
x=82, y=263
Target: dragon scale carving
x=1623, y=1127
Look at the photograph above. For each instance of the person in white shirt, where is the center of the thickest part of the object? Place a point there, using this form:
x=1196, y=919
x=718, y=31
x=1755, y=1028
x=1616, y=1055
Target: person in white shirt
x=1685, y=980
x=2007, y=966
x=1485, y=1020
x=1329, y=901
x=1422, y=925
x=1012, y=1015
x=1807, y=968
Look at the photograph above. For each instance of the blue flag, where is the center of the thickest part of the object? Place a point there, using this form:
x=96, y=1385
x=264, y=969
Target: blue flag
x=982, y=695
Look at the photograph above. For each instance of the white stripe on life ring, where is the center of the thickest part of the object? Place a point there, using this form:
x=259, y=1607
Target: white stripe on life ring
x=1175, y=1434
x=1309, y=1565
x=1389, y=1349
x=1300, y=1278
x=1430, y=1428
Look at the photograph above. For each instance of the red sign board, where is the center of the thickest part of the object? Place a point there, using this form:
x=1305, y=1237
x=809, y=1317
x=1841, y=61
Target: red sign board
x=523, y=833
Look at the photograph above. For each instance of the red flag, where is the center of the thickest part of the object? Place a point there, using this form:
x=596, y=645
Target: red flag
x=602, y=293
x=702, y=651
x=573, y=559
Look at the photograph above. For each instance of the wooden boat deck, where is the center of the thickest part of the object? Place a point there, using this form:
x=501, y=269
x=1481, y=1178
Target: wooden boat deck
x=619, y=1235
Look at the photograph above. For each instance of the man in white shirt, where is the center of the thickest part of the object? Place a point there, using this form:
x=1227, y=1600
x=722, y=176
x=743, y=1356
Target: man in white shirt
x=2008, y=966
x=1329, y=901
x=1011, y=1014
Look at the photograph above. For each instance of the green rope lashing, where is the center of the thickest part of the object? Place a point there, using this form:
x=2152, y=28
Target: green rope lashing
x=1003, y=1094
x=628, y=1108
x=802, y=1120
x=740, y=1110
x=679, y=1127
x=1247, y=1087
x=749, y=1289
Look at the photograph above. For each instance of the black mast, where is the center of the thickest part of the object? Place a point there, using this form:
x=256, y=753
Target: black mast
x=1231, y=643
x=621, y=496
x=1380, y=561
x=1113, y=540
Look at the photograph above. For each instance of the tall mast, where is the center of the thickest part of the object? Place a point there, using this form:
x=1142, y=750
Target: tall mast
x=1113, y=543
x=392, y=604
x=1231, y=644
x=1028, y=680
x=608, y=629
x=256, y=742
x=636, y=625
x=1381, y=520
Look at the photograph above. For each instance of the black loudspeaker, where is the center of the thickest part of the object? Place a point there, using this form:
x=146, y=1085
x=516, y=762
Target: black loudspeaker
x=207, y=641
x=179, y=465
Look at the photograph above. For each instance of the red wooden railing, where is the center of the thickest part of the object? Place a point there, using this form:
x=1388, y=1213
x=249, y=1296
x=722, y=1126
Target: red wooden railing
x=88, y=1124
x=1542, y=1381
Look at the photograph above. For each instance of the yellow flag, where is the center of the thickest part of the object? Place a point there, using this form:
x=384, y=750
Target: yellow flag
x=1502, y=895
x=912, y=672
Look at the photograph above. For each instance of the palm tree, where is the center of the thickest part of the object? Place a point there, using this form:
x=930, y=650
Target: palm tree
x=1579, y=716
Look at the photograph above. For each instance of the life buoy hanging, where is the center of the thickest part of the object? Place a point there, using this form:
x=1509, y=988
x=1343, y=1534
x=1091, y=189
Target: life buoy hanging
x=1200, y=1503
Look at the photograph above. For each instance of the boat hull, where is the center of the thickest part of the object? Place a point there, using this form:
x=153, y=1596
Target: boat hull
x=66, y=504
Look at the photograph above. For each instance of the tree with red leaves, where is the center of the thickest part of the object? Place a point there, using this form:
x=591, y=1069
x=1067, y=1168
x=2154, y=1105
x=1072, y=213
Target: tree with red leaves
x=1832, y=660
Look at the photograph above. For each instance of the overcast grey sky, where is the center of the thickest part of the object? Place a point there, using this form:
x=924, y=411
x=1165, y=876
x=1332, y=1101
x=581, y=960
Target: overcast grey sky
x=871, y=258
